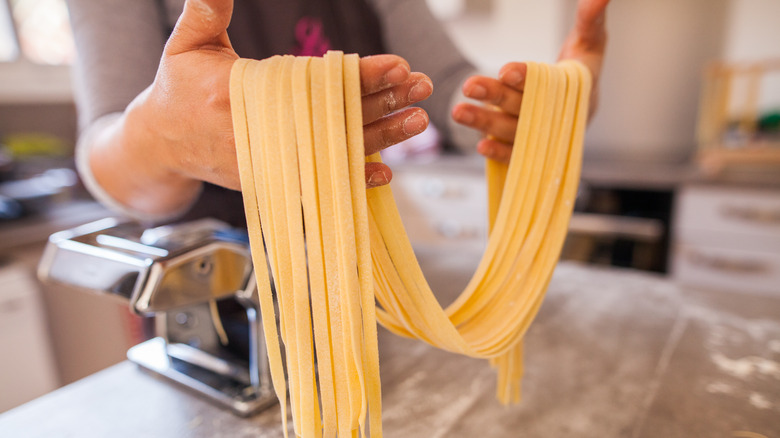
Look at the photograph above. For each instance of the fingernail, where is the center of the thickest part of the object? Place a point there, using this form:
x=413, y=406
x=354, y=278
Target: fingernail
x=420, y=91
x=465, y=116
x=415, y=124
x=377, y=179
x=512, y=77
x=398, y=74
x=483, y=148
x=477, y=92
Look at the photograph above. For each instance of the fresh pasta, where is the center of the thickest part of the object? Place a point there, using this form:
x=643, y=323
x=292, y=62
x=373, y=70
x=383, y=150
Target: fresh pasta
x=335, y=249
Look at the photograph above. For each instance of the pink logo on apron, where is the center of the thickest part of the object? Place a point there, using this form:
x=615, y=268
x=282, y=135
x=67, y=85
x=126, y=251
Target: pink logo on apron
x=310, y=37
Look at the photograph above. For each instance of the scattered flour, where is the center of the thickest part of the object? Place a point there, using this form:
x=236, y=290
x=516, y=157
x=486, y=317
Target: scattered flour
x=195, y=422
x=747, y=366
x=719, y=388
x=759, y=401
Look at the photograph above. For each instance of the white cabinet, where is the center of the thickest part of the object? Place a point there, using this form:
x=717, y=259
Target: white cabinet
x=728, y=238
x=27, y=367
x=443, y=204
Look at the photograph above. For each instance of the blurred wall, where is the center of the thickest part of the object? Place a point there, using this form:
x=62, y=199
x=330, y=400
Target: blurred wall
x=57, y=119
x=656, y=53
x=36, y=98
x=753, y=32
x=650, y=84
x=492, y=32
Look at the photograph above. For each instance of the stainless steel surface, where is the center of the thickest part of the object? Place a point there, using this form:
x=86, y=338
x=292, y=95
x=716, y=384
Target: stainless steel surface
x=157, y=271
x=181, y=274
x=179, y=363
x=605, y=225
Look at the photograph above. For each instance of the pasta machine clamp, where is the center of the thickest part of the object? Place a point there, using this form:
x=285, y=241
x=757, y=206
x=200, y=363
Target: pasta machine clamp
x=196, y=279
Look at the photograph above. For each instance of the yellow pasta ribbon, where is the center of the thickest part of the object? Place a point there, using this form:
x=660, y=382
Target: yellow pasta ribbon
x=335, y=249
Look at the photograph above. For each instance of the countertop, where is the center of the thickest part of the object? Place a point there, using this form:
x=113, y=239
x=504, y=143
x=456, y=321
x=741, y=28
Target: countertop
x=37, y=229
x=613, y=353
x=603, y=172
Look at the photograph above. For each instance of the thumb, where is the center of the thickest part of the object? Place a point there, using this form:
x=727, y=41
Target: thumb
x=203, y=23
x=590, y=21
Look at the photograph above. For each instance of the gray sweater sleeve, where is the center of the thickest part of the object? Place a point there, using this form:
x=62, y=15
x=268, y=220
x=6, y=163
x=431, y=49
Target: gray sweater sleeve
x=411, y=31
x=120, y=43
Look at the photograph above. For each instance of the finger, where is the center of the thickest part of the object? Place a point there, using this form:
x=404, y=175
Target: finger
x=494, y=92
x=377, y=174
x=394, y=128
x=418, y=87
x=381, y=72
x=513, y=74
x=587, y=41
x=590, y=20
x=202, y=23
x=588, y=38
x=498, y=124
x=495, y=150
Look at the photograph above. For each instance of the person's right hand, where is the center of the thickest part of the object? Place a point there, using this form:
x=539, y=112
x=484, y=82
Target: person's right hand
x=502, y=97
x=178, y=132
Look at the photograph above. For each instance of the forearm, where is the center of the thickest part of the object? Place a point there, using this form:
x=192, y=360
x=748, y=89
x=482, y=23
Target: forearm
x=121, y=161
x=119, y=48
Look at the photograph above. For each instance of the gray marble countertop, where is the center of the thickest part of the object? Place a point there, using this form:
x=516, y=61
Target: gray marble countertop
x=613, y=353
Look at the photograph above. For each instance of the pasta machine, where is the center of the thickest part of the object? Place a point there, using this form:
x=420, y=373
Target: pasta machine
x=196, y=279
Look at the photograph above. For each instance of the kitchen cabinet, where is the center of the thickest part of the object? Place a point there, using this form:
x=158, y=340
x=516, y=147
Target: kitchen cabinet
x=27, y=366
x=51, y=335
x=728, y=237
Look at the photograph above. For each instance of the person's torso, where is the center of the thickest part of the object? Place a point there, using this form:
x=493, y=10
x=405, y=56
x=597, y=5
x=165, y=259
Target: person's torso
x=263, y=28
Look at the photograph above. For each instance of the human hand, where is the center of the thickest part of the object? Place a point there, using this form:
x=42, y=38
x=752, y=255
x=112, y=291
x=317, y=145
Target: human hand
x=388, y=89
x=503, y=96
x=183, y=120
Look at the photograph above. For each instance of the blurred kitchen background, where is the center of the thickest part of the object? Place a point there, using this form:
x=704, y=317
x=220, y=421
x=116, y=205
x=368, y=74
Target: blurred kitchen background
x=681, y=173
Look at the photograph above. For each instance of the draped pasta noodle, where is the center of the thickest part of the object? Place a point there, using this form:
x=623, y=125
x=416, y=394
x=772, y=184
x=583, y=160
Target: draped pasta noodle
x=335, y=249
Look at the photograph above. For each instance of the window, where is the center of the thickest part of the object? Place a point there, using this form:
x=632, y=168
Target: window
x=39, y=29
x=9, y=49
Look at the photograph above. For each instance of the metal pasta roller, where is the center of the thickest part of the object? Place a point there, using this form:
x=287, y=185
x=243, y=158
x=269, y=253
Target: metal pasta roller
x=196, y=278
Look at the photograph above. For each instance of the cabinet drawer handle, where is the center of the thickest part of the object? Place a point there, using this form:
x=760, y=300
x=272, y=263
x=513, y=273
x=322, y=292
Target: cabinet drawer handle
x=720, y=263
x=11, y=306
x=752, y=214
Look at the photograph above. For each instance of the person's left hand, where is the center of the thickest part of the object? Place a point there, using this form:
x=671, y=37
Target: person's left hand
x=502, y=97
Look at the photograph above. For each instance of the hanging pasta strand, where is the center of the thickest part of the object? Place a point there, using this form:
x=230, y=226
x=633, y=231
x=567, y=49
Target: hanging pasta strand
x=242, y=106
x=336, y=250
